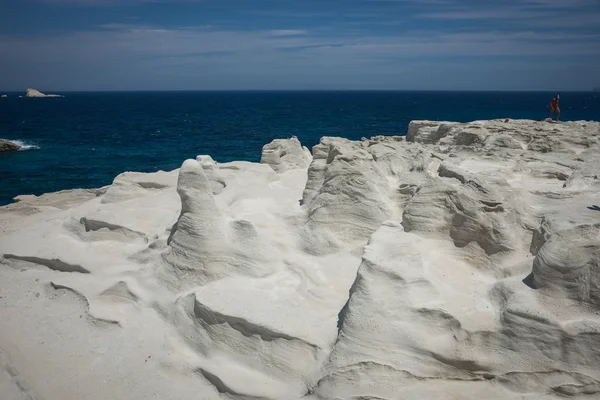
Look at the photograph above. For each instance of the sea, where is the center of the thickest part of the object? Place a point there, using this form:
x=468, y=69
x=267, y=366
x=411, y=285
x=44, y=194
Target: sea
x=85, y=139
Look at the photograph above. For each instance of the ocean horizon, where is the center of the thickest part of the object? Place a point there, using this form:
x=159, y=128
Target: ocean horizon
x=92, y=91
x=88, y=137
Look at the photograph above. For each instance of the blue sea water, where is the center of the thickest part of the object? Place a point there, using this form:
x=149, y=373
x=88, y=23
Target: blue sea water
x=85, y=139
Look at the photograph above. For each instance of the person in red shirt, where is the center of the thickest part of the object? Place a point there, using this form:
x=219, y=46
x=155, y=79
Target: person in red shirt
x=554, y=107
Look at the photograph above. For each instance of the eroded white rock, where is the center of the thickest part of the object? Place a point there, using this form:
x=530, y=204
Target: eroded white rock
x=286, y=154
x=35, y=93
x=461, y=262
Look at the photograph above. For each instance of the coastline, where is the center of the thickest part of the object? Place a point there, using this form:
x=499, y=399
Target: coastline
x=87, y=139
x=454, y=261
x=26, y=146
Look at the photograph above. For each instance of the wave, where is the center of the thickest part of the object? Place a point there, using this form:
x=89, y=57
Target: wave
x=24, y=145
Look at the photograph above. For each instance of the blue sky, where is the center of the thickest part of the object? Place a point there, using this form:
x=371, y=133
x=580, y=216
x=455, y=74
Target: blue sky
x=293, y=44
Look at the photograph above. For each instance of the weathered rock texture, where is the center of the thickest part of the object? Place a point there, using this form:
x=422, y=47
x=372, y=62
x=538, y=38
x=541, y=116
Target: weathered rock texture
x=8, y=146
x=460, y=262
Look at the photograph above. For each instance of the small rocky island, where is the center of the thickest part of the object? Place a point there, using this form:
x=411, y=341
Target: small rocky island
x=35, y=93
x=5, y=145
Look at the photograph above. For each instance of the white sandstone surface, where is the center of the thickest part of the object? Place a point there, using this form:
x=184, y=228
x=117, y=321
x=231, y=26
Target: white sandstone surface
x=460, y=262
x=35, y=93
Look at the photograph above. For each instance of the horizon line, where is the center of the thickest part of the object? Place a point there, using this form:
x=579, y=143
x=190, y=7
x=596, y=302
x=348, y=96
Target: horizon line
x=296, y=90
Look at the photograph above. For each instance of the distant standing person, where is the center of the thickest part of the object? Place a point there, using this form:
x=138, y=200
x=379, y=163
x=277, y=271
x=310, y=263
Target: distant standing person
x=554, y=107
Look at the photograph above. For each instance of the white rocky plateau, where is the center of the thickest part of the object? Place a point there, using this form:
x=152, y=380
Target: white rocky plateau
x=459, y=262
x=35, y=93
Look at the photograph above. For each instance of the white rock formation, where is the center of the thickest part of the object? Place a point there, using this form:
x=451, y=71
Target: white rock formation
x=285, y=154
x=460, y=262
x=34, y=93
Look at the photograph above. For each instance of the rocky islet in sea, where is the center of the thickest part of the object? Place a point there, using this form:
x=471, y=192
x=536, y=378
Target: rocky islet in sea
x=6, y=145
x=35, y=93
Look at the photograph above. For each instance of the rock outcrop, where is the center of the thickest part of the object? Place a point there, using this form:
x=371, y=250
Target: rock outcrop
x=285, y=154
x=5, y=145
x=460, y=261
x=34, y=93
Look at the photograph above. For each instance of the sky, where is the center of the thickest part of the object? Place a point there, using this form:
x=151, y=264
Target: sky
x=71, y=45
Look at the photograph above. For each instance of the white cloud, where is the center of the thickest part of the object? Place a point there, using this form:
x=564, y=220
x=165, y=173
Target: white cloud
x=128, y=56
x=287, y=32
x=523, y=13
x=568, y=4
